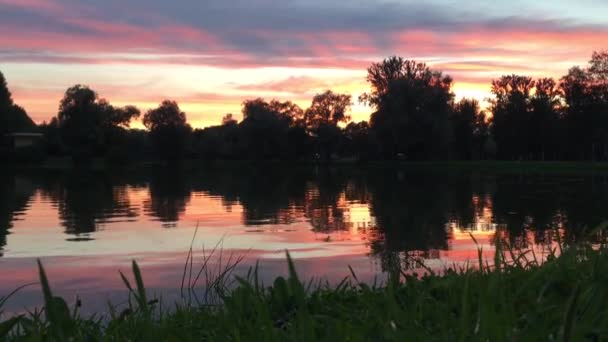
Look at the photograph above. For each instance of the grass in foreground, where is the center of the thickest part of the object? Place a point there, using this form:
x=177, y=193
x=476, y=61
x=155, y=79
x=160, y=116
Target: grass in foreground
x=562, y=299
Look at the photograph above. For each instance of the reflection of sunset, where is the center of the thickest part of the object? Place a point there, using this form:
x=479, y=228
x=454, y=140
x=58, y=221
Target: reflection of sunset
x=324, y=217
x=359, y=216
x=482, y=228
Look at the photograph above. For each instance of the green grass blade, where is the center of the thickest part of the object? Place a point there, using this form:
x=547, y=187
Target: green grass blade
x=141, y=290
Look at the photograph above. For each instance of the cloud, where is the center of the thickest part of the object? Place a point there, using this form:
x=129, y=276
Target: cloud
x=261, y=30
x=45, y=6
x=300, y=85
x=117, y=46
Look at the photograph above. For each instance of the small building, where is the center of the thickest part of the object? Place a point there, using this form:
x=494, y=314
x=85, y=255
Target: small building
x=21, y=140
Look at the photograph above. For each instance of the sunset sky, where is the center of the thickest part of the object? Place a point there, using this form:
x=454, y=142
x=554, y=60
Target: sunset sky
x=211, y=55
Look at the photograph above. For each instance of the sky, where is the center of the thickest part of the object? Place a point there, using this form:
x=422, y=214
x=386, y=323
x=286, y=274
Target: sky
x=210, y=55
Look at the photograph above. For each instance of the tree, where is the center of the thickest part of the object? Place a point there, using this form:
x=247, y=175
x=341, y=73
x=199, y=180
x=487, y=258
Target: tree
x=228, y=119
x=575, y=92
x=169, y=130
x=469, y=129
x=322, y=118
x=511, y=115
x=598, y=68
x=6, y=99
x=328, y=108
x=544, y=122
x=266, y=128
x=585, y=93
x=411, y=106
x=598, y=73
x=13, y=118
x=358, y=140
x=89, y=124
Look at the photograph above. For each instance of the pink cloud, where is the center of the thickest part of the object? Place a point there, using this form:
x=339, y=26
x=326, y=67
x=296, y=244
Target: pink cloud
x=34, y=5
x=297, y=85
x=473, y=56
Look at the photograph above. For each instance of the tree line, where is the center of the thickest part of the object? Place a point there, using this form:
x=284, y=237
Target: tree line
x=414, y=117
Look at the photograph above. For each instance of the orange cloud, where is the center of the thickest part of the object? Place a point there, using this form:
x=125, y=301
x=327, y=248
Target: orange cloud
x=472, y=55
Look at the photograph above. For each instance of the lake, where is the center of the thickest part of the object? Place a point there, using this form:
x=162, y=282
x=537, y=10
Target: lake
x=87, y=225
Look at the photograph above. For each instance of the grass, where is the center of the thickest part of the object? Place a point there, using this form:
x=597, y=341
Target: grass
x=562, y=298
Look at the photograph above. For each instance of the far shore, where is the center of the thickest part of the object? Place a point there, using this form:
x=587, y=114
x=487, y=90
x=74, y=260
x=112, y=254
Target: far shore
x=481, y=165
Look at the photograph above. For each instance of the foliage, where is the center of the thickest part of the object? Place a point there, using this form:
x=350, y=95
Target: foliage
x=169, y=130
x=228, y=119
x=415, y=117
x=88, y=124
x=470, y=130
x=13, y=118
x=510, y=115
x=326, y=111
x=268, y=128
x=585, y=94
x=411, y=105
x=516, y=297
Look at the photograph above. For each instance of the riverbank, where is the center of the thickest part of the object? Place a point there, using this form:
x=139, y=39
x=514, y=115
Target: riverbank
x=486, y=165
x=563, y=298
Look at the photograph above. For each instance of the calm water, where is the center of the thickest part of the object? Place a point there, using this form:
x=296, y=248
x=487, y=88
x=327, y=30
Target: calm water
x=87, y=225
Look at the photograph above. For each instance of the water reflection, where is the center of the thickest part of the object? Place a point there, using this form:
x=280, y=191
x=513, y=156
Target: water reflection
x=15, y=194
x=169, y=194
x=393, y=214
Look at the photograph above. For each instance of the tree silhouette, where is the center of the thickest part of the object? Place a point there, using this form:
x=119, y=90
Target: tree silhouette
x=358, y=140
x=328, y=108
x=544, y=125
x=13, y=118
x=86, y=121
x=6, y=98
x=322, y=118
x=574, y=89
x=585, y=93
x=598, y=68
x=169, y=130
x=266, y=127
x=470, y=129
x=228, y=119
x=411, y=105
x=414, y=117
x=598, y=93
x=511, y=115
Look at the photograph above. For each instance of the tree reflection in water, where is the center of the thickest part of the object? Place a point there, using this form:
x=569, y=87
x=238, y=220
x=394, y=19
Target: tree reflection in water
x=400, y=214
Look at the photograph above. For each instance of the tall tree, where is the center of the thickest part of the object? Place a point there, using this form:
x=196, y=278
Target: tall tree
x=585, y=93
x=13, y=118
x=326, y=111
x=511, y=115
x=6, y=98
x=169, y=130
x=88, y=124
x=598, y=68
x=598, y=72
x=574, y=88
x=267, y=127
x=358, y=140
x=328, y=108
x=469, y=129
x=545, y=121
x=411, y=106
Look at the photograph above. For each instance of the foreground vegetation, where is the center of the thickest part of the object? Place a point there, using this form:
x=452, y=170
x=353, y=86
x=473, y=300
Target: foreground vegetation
x=563, y=298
